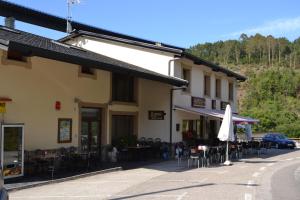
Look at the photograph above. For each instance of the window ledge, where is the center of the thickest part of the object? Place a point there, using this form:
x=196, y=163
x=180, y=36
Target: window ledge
x=124, y=103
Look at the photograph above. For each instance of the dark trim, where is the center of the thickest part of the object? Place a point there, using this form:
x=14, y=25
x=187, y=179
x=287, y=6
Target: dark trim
x=28, y=50
x=216, y=68
x=32, y=16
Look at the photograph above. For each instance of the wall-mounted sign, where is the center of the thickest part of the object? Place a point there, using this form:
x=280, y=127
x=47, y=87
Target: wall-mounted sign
x=64, y=130
x=2, y=107
x=156, y=115
x=198, y=102
x=223, y=105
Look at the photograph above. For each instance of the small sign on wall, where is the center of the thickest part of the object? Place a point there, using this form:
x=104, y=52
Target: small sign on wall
x=198, y=102
x=156, y=115
x=224, y=104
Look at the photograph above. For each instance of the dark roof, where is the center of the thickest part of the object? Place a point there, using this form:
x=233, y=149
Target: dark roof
x=43, y=19
x=34, y=45
x=32, y=16
x=214, y=67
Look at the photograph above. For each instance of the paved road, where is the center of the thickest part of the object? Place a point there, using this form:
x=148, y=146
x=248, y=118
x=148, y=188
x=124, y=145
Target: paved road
x=248, y=179
x=285, y=183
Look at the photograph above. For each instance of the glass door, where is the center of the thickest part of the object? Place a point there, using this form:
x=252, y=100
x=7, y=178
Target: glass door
x=90, y=129
x=12, y=150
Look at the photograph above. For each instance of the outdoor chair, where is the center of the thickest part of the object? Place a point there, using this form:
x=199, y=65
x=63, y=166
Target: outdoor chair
x=53, y=166
x=194, y=158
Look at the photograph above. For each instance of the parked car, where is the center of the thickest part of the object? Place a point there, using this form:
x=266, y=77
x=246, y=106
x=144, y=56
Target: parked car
x=3, y=191
x=279, y=140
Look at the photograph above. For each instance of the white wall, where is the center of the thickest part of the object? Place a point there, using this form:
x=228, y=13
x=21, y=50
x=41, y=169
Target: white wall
x=154, y=60
x=154, y=96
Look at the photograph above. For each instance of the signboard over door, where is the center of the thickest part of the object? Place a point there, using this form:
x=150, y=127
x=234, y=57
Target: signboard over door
x=198, y=102
x=156, y=115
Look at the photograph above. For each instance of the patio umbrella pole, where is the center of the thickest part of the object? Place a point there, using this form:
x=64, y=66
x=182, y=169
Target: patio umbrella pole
x=227, y=162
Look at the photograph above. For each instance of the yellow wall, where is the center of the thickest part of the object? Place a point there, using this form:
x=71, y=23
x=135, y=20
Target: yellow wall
x=34, y=92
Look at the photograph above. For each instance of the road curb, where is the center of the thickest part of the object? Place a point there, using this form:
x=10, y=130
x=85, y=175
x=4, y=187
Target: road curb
x=64, y=179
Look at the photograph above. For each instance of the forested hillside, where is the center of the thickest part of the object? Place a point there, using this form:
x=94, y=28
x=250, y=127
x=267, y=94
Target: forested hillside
x=272, y=65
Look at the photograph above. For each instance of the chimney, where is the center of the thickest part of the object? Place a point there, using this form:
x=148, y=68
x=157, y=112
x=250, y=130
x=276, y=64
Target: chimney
x=9, y=22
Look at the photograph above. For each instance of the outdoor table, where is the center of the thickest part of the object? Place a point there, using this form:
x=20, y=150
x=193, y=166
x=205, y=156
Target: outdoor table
x=139, y=152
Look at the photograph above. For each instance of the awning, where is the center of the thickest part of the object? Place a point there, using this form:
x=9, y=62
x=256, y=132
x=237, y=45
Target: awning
x=217, y=114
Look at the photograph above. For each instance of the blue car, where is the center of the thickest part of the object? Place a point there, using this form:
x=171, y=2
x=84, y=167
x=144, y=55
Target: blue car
x=279, y=140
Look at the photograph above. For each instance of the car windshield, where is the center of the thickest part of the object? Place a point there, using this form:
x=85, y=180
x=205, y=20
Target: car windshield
x=281, y=136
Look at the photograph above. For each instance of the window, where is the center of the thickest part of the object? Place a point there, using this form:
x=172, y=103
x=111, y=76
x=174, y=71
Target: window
x=230, y=91
x=87, y=70
x=213, y=104
x=17, y=56
x=122, y=126
x=186, y=75
x=123, y=88
x=207, y=85
x=193, y=128
x=218, y=88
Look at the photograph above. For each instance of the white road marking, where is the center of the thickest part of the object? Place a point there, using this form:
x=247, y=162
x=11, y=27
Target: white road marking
x=270, y=164
x=248, y=196
x=182, y=196
x=289, y=159
x=298, y=157
x=256, y=174
x=262, y=168
x=250, y=183
x=198, y=181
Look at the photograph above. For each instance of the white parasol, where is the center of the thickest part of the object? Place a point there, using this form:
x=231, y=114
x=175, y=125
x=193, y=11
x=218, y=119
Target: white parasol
x=226, y=131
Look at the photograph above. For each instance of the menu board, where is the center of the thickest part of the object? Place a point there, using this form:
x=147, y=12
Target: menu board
x=64, y=130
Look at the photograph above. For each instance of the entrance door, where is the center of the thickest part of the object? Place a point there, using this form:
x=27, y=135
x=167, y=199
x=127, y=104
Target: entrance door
x=12, y=150
x=90, y=129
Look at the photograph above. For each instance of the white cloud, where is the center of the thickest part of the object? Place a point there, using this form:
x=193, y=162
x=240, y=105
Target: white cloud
x=275, y=27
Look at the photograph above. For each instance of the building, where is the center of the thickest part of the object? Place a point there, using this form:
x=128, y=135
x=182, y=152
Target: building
x=95, y=86
x=48, y=83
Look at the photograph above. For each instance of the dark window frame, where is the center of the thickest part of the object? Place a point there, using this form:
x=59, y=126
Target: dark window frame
x=207, y=85
x=123, y=88
x=218, y=88
x=230, y=91
x=186, y=75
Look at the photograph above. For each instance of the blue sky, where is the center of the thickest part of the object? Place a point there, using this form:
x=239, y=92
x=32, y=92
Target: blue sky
x=178, y=22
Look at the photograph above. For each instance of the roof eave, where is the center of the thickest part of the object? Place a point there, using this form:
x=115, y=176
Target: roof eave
x=214, y=67
x=45, y=53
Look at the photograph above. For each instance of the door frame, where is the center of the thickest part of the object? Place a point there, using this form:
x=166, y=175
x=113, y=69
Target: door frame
x=2, y=147
x=103, y=122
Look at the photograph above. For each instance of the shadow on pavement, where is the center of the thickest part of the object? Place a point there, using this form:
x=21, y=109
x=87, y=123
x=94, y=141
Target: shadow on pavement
x=161, y=191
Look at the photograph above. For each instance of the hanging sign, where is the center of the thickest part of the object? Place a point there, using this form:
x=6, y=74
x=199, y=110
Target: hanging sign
x=2, y=107
x=198, y=102
x=156, y=115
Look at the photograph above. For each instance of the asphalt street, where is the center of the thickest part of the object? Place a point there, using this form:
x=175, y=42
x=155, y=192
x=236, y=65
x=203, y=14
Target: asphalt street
x=274, y=175
x=285, y=183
